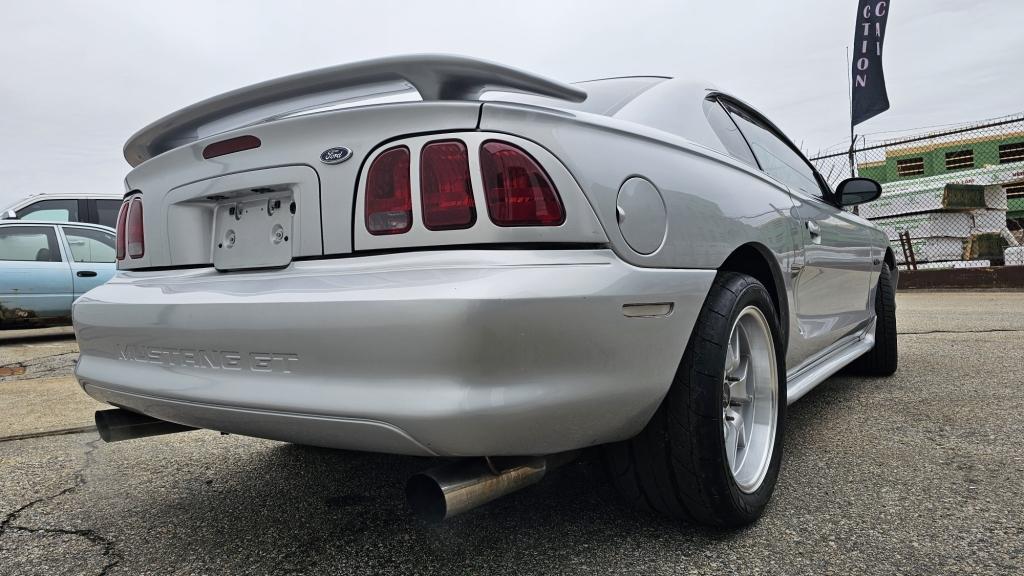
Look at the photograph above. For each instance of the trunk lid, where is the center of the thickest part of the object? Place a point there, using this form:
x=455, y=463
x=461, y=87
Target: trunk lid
x=194, y=205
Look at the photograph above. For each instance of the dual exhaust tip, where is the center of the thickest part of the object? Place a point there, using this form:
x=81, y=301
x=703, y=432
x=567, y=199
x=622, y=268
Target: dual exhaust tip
x=434, y=495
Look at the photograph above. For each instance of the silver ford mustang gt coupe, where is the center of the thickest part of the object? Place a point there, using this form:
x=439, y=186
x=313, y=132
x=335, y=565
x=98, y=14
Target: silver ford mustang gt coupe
x=441, y=256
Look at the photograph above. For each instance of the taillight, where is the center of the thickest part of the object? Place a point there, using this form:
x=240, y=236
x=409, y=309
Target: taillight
x=388, y=193
x=122, y=214
x=445, y=190
x=135, y=238
x=518, y=191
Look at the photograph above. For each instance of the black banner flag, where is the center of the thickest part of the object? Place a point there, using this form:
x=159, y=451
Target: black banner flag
x=869, y=96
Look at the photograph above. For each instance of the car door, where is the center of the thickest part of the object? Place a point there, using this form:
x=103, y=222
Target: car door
x=835, y=284
x=831, y=279
x=35, y=281
x=92, y=252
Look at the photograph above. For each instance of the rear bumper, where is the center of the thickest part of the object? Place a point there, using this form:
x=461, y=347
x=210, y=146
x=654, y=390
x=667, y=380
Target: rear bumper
x=484, y=352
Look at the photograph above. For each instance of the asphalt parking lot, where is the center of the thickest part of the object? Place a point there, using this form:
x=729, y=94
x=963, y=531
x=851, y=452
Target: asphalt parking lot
x=920, y=473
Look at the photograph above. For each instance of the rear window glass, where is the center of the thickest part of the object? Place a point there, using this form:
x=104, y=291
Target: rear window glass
x=106, y=212
x=728, y=133
x=604, y=97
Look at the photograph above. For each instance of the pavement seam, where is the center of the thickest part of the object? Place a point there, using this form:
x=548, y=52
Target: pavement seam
x=48, y=433
x=8, y=523
x=37, y=358
x=990, y=331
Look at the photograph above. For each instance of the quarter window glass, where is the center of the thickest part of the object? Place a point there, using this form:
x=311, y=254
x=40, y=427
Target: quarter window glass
x=89, y=245
x=727, y=132
x=777, y=159
x=51, y=210
x=106, y=212
x=29, y=244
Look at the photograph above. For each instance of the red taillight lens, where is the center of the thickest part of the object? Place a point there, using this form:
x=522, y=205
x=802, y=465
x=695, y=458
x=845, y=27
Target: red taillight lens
x=445, y=189
x=518, y=191
x=135, y=238
x=388, y=193
x=122, y=215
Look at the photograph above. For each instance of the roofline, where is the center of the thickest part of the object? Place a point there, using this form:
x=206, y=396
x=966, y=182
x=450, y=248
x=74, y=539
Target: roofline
x=73, y=194
x=55, y=223
x=25, y=200
x=896, y=152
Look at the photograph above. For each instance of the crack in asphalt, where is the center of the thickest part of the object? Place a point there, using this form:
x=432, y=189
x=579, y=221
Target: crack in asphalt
x=62, y=362
x=107, y=544
x=989, y=331
x=13, y=369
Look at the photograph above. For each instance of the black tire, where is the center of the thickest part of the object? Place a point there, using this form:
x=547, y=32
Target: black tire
x=677, y=465
x=882, y=359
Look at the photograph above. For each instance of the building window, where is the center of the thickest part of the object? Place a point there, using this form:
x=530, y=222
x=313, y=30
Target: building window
x=910, y=167
x=1014, y=190
x=960, y=160
x=1011, y=152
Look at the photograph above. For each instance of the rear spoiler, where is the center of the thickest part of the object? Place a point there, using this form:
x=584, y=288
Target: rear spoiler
x=435, y=77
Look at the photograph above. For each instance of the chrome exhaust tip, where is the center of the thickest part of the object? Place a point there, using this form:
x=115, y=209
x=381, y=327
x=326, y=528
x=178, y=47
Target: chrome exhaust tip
x=451, y=489
x=120, y=424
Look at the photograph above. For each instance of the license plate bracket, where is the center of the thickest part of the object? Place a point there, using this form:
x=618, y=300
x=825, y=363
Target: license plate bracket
x=253, y=231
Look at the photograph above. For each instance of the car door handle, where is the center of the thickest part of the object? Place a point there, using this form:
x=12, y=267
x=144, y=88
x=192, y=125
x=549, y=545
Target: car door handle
x=815, y=230
x=85, y=273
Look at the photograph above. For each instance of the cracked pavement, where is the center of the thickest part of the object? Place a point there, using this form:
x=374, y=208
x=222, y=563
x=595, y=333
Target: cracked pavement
x=38, y=394
x=11, y=527
x=37, y=353
x=920, y=473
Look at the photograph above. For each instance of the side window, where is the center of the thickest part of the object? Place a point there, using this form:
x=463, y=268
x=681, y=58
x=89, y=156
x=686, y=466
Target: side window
x=53, y=210
x=777, y=159
x=29, y=244
x=727, y=132
x=88, y=245
x=106, y=212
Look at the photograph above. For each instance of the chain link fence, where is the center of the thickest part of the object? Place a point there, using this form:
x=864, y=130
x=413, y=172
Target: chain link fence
x=951, y=198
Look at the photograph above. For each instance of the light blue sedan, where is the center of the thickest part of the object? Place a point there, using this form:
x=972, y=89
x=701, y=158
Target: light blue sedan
x=45, y=266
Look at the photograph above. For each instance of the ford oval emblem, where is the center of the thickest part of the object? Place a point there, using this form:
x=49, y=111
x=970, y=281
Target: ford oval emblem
x=335, y=155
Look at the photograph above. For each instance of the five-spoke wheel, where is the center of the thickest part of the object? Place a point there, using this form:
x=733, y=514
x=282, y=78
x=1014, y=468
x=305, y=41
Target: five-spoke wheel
x=749, y=396
x=712, y=451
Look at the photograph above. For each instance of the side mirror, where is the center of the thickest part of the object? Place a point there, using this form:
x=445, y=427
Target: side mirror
x=9, y=215
x=853, y=191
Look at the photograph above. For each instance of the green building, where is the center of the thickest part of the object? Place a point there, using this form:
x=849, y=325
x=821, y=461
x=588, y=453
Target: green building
x=933, y=158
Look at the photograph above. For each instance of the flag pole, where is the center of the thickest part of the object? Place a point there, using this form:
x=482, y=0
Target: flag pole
x=849, y=92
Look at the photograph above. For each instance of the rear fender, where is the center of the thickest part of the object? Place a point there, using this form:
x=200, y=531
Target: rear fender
x=714, y=203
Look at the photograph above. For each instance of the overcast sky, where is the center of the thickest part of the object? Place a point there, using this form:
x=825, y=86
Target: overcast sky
x=78, y=78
